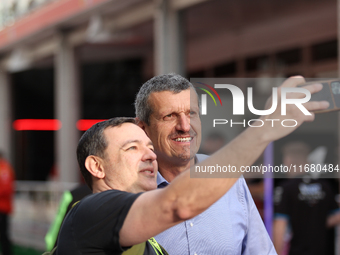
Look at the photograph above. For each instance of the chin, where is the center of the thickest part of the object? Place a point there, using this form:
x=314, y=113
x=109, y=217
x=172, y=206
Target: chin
x=186, y=157
x=150, y=188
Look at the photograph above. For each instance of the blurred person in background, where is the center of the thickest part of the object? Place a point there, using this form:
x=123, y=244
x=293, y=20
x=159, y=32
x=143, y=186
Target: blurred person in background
x=7, y=178
x=304, y=206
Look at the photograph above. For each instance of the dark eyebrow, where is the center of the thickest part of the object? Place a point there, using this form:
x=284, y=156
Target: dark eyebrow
x=130, y=141
x=135, y=141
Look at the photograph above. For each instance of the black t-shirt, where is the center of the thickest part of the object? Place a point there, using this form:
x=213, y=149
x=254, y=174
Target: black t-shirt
x=93, y=225
x=306, y=203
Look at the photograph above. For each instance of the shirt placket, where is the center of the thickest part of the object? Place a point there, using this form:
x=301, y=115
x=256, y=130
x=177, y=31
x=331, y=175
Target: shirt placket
x=191, y=228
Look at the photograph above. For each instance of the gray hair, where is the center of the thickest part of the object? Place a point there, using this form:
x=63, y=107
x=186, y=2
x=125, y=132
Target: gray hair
x=93, y=142
x=167, y=82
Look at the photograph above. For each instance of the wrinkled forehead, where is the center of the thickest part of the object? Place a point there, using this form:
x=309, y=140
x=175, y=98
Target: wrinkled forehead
x=167, y=98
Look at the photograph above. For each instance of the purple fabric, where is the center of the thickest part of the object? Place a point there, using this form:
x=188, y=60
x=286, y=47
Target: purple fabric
x=268, y=189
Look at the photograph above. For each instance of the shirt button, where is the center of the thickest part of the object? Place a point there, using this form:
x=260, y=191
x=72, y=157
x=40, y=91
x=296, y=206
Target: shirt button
x=191, y=225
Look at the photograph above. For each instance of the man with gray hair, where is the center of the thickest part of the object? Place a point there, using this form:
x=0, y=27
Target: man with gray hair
x=167, y=110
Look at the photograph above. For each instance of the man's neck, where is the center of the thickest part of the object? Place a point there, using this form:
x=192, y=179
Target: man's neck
x=170, y=170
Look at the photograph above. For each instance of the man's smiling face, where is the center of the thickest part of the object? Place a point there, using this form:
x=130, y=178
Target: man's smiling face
x=175, y=126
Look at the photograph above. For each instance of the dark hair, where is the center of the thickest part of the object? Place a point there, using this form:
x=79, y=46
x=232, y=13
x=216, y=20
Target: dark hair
x=167, y=82
x=93, y=142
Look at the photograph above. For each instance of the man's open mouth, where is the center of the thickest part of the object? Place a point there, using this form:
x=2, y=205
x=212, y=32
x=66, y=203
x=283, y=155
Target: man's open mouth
x=183, y=139
x=148, y=171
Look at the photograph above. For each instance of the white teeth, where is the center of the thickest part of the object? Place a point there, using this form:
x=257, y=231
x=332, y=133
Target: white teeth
x=188, y=139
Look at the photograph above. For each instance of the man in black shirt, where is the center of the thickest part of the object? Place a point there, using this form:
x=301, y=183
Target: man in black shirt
x=93, y=225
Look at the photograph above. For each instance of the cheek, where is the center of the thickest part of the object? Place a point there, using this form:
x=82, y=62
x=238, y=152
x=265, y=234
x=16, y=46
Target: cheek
x=153, y=132
x=127, y=165
x=197, y=130
x=163, y=139
x=155, y=166
x=160, y=134
x=196, y=123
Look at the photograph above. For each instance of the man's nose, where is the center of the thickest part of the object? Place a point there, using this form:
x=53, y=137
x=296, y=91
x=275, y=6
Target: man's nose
x=149, y=155
x=183, y=123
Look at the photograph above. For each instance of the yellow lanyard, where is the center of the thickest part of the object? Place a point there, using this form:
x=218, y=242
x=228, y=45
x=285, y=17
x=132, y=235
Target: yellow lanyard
x=155, y=246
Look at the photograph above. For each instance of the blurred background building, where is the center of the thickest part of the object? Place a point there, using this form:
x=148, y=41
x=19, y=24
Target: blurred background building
x=66, y=63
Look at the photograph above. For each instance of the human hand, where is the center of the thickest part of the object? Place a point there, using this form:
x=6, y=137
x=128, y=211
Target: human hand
x=278, y=125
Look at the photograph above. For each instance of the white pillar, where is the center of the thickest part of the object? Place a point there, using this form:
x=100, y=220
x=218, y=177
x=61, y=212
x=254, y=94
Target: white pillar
x=5, y=114
x=66, y=110
x=168, y=39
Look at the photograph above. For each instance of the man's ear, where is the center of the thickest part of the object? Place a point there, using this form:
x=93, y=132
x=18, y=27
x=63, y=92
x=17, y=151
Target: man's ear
x=140, y=123
x=94, y=165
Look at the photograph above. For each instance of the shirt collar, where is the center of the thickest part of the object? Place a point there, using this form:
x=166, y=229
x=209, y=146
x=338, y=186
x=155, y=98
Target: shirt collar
x=162, y=181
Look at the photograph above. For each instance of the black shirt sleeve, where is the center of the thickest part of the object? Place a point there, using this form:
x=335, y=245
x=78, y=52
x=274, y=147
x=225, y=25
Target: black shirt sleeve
x=281, y=201
x=94, y=223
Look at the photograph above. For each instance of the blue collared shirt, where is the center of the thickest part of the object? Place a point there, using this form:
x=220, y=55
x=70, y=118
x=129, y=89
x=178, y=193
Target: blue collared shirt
x=231, y=226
